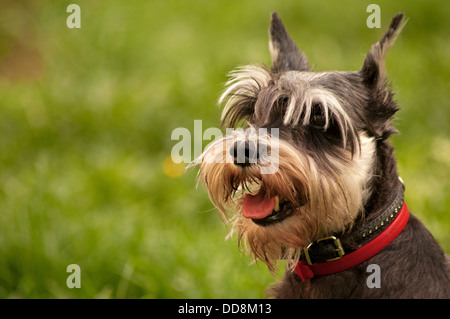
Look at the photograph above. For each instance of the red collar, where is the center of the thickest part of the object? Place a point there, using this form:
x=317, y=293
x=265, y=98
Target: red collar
x=306, y=271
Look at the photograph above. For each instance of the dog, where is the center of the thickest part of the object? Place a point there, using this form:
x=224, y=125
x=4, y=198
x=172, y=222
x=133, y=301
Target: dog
x=308, y=176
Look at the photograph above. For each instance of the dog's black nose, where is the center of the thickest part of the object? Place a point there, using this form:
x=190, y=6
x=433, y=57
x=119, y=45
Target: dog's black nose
x=244, y=153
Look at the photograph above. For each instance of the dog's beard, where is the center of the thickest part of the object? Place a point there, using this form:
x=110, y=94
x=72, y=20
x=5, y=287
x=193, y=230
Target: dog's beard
x=319, y=202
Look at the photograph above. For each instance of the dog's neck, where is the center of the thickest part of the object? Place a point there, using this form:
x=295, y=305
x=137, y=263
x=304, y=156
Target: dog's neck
x=372, y=232
x=378, y=235
x=385, y=180
x=385, y=189
x=384, y=202
x=333, y=246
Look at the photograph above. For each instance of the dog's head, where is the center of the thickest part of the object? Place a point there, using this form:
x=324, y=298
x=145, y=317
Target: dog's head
x=303, y=164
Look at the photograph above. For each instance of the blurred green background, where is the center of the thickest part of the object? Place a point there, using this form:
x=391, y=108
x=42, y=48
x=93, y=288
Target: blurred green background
x=86, y=117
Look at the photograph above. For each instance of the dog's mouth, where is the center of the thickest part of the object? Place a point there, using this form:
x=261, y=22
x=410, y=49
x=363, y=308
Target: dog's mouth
x=264, y=211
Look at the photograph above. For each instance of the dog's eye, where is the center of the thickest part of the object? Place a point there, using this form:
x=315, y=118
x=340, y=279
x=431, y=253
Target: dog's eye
x=317, y=119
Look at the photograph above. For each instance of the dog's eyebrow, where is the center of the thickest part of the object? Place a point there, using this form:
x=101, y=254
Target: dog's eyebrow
x=242, y=91
x=255, y=92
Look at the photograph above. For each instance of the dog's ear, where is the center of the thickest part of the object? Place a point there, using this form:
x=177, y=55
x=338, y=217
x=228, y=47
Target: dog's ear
x=373, y=69
x=286, y=56
x=382, y=106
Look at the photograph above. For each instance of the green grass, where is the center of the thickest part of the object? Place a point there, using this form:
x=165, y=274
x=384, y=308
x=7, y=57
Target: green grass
x=85, y=128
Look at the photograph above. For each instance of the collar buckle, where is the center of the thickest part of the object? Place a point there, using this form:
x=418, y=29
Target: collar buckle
x=339, y=251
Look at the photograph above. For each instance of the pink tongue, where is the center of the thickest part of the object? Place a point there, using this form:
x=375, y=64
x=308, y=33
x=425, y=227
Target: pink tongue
x=257, y=207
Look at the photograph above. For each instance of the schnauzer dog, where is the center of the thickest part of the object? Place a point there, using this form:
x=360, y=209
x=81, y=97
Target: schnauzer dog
x=310, y=177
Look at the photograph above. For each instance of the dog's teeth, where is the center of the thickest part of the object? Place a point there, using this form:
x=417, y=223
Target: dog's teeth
x=277, y=204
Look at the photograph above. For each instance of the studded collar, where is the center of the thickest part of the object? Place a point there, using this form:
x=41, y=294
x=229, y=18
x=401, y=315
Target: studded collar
x=334, y=254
